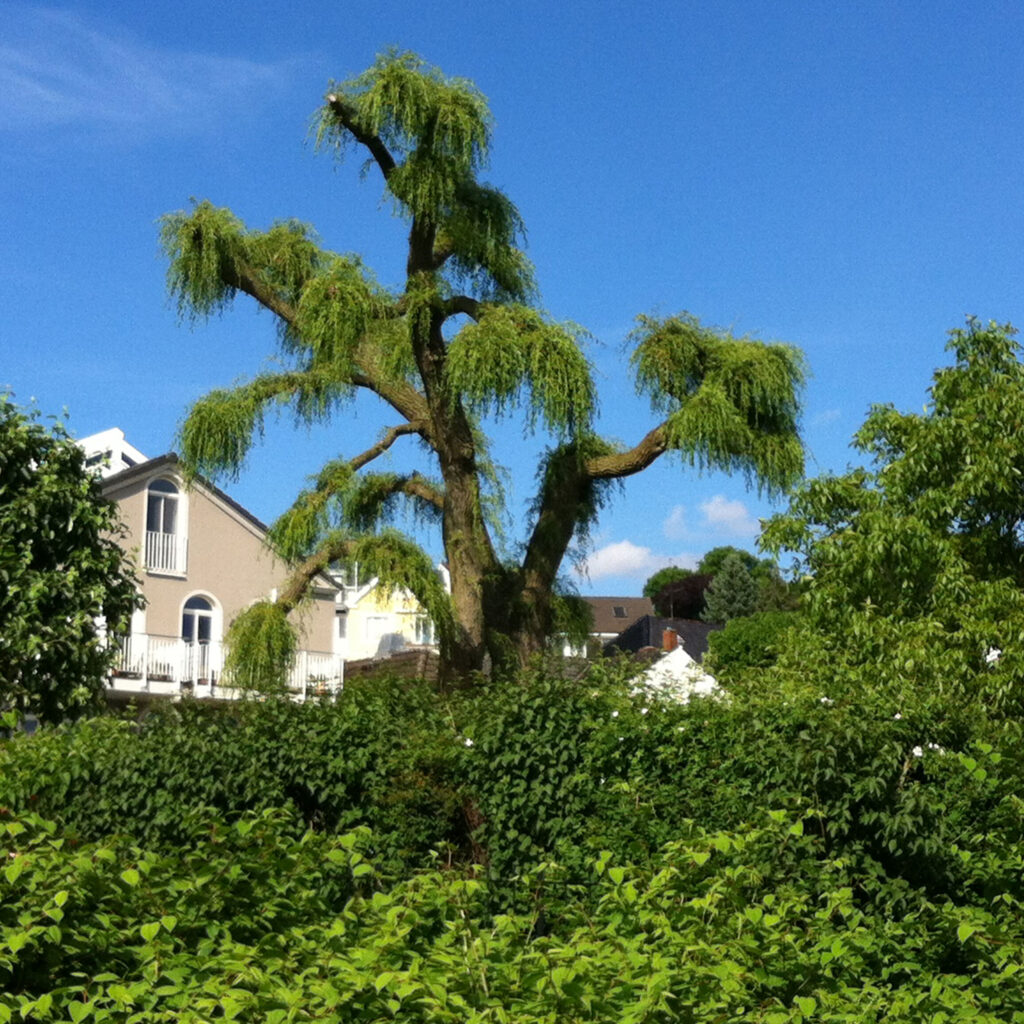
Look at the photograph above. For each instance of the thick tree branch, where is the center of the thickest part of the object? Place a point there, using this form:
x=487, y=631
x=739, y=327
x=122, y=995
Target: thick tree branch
x=344, y=114
x=462, y=304
x=608, y=467
x=417, y=486
x=245, y=278
x=297, y=585
x=562, y=507
x=441, y=255
x=400, y=395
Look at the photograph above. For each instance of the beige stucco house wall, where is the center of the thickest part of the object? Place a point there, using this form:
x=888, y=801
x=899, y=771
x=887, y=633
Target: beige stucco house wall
x=202, y=558
x=207, y=546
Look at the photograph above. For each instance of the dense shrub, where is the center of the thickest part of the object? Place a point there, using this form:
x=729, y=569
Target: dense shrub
x=750, y=642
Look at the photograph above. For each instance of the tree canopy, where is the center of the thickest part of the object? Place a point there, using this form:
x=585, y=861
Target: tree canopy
x=462, y=338
x=915, y=565
x=657, y=581
x=61, y=570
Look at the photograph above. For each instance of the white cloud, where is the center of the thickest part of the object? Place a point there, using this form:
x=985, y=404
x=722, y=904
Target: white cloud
x=674, y=526
x=728, y=518
x=828, y=416
x=624, y=558
x=57, y=68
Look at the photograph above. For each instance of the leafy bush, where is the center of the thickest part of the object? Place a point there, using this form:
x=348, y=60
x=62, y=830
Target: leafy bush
x=750, y=642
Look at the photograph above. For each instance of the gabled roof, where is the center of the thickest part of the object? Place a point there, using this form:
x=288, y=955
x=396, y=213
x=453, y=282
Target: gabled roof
x=171, y=460
x=613, y=614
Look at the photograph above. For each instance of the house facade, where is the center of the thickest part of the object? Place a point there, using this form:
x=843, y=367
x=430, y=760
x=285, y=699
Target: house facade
x=201, y=559
x=373, y=622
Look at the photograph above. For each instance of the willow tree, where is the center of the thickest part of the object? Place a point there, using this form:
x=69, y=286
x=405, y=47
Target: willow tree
x=461, y=340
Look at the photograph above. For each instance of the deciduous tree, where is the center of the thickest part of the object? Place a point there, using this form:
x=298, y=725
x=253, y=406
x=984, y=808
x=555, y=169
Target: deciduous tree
x=916, y=565
x=61, y=570
x=659, y=580
x=462, y=338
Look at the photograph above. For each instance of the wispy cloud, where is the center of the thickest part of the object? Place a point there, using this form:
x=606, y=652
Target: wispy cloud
x=58, y=68
x=827, y=416
x=674, y=527
x=624, y=558
x=719, y=517
x=728, y=518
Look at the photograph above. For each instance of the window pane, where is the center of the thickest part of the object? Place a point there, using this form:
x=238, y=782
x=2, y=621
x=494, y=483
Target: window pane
x=170, y=515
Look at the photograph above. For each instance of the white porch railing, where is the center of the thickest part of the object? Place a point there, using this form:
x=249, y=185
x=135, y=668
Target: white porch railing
x=166, y=552
x=172, y=666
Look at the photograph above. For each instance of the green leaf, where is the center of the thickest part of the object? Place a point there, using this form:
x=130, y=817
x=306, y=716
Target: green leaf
x=149, y=931
x=130, y=876
x=79, y=1010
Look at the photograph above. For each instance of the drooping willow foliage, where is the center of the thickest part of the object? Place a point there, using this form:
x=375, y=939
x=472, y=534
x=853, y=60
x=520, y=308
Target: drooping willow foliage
x=462, y=338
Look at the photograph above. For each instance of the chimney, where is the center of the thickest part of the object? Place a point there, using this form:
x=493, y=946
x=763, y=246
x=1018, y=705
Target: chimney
x=669, y=640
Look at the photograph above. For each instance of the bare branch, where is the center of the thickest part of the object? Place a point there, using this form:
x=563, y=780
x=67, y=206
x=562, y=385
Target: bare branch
x=380, y=153
x=392, y=435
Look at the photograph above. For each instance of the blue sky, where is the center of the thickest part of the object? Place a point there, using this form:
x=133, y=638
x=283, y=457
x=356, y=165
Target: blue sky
x=844, y=177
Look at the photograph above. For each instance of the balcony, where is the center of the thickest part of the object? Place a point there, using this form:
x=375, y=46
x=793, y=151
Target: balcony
x=166, y=552
x=173, y=667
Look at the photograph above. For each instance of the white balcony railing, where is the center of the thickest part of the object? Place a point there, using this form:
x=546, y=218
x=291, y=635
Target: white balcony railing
x=168, y=665
x=166, y=552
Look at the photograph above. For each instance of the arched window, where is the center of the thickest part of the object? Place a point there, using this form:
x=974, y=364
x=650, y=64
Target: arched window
x=200, y=631
x=197, y=621
x=165, y=541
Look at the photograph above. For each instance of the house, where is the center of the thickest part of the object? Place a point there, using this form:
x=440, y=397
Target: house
x=201, y=558
x=611, y=615
x=648, y=632
x=375, y=623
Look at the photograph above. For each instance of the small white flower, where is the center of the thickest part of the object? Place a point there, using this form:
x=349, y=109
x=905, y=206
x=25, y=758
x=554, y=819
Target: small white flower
x=643, y=711
x=680, y=728
x=468, y=742
x=897, y=716
x=935, y=746
x=993, y=655
x=918, y=752
x=615, y=714
x=827, y=700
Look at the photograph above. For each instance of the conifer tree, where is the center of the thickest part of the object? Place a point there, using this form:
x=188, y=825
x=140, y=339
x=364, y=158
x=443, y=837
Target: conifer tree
x=733, y=592
x=464, y=337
